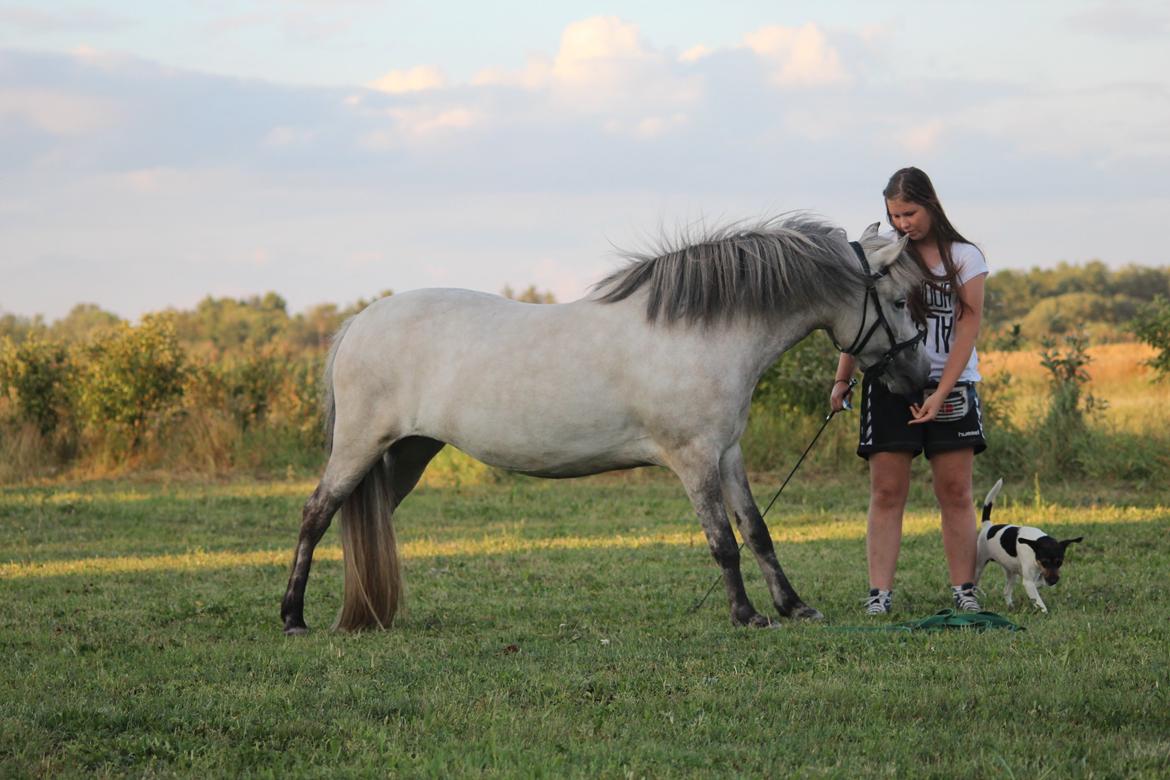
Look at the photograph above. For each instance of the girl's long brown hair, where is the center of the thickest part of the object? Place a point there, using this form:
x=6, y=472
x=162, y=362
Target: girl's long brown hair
x=914, y=186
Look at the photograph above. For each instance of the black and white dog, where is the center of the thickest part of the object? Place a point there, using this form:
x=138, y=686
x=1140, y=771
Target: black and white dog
x=1024, y=553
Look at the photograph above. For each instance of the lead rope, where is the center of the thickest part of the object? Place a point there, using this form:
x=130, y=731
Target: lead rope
x=852, y=382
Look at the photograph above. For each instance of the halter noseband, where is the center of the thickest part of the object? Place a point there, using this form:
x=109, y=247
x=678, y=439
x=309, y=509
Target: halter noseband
x=863, y=336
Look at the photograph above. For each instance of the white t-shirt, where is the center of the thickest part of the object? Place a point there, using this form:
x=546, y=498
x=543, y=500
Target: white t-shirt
x=940, y=317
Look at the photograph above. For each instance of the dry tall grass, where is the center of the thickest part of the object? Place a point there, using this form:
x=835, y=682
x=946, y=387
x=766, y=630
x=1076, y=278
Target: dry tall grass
x=1136, y=401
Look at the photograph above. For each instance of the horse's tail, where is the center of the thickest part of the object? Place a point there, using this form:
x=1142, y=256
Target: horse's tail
x=373, y=580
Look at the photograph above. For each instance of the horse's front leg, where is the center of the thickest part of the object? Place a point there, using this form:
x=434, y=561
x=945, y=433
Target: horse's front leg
x=755, y=533
x=703, y=488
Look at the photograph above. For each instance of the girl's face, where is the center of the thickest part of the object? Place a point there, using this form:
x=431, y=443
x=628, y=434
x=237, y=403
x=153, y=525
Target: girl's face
x=909, y=218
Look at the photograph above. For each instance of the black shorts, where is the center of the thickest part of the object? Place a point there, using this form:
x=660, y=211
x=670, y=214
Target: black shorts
x=885, y=419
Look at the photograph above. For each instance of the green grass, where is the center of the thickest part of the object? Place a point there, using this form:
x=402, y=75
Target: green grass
x=519, y=656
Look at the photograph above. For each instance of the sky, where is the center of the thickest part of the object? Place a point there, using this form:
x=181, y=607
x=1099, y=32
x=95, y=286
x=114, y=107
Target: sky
x=155, y=153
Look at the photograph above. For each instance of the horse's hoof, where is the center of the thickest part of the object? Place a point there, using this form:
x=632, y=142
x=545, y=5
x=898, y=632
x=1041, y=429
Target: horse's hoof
x=807, y=613
x=296, y=630
x=756, y=620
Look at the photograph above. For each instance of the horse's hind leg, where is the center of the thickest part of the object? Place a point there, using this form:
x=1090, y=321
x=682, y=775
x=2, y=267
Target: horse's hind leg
x=755, y=533
x=410, y=457
x=354, y=451
x=406, y=461
x=703, y=488
x=316, y=516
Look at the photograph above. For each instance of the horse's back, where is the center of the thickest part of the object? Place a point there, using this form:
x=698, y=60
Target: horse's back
x=532, y=387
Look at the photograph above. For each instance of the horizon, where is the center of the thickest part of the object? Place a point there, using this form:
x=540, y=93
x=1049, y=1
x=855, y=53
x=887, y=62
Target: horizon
x=508, y=290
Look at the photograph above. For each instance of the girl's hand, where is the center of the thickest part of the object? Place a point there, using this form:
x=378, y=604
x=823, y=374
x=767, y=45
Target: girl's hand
x=928, y=409
x=841, y=394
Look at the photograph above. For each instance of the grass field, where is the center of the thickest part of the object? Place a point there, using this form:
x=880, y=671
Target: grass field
x=547, y=635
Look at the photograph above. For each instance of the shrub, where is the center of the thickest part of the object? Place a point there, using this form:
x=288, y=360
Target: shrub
x=801, y=378
x=128, y=376
x=1063, y=431
x=1152, y=326
x=1064, y=314
x=35, y=375
x=1008, y=339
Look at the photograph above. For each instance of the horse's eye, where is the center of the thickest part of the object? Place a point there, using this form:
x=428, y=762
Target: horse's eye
x=900, y=303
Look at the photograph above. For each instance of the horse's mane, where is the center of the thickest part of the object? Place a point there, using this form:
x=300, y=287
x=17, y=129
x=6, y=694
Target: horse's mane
x=792, y=261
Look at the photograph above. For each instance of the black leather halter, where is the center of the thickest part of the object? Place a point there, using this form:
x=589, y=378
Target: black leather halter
x=863, y=336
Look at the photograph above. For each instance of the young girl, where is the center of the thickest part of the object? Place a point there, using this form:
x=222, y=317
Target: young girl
x=945, y=422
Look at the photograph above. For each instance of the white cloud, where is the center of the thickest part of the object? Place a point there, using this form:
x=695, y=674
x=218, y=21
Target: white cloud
x=58, y=112
x=420, y=123
x=425, y=121
x=603, y=67
x=798, y=56
x=417, y=79
x=695, y=53
x=537, y=74
x=594, y=48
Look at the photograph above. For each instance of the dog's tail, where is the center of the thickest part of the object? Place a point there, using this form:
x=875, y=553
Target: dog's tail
x=987, y=502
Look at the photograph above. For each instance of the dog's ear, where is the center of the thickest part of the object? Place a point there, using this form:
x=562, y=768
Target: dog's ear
x=1064, y=544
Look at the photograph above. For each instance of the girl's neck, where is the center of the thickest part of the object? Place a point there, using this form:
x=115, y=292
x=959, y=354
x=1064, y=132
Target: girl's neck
x=927, y=249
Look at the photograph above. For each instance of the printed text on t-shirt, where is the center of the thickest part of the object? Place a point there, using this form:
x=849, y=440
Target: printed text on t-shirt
x=940, y=305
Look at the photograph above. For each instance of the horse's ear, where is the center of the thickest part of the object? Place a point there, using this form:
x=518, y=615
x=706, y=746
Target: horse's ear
x=888, y=253
x=870, y=231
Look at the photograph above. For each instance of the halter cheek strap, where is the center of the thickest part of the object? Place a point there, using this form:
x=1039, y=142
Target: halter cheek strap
x=863, y=336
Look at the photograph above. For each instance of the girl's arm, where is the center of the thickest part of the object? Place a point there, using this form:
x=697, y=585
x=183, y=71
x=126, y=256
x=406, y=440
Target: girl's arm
x=841, y=390
x=966, y=331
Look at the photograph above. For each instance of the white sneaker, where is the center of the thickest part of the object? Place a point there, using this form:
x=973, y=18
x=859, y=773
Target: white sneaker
x=878, y=602
x=964, y=596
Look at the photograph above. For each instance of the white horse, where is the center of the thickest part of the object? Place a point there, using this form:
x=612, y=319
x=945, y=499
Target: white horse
x=655, y=367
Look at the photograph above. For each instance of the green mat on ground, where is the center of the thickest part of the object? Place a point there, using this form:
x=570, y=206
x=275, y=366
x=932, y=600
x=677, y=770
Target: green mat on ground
x=946, y=618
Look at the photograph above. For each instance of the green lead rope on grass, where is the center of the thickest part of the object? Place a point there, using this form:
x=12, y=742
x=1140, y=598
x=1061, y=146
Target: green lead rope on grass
x=946, y=618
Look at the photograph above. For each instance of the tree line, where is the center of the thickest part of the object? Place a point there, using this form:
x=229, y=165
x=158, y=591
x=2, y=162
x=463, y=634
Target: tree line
x=235, y=383
x=1023, y=308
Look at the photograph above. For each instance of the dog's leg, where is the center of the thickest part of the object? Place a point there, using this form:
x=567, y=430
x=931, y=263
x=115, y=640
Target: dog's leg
x=1007, y=588
x=1034, y=594
x=980, y=562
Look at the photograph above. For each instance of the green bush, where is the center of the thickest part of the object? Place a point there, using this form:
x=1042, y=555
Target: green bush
x=128, y=376
x=35, y=375
x=801, y=378
x=1066, y=313
x=1152, y=326
x=1009, y=449
x=1063, y=434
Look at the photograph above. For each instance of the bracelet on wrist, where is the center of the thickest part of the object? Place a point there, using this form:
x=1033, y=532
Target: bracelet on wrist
x=840, y=382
